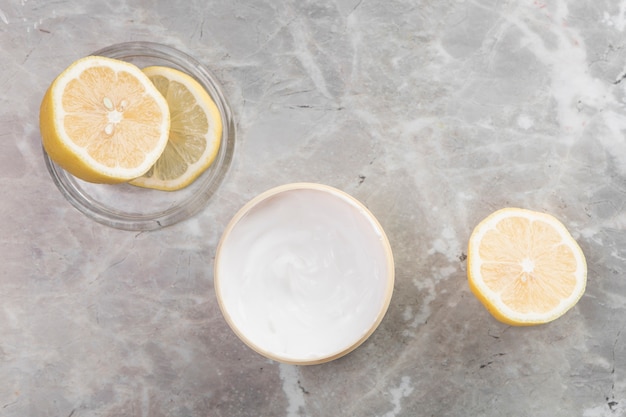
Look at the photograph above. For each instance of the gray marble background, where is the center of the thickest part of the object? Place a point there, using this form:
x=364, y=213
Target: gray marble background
x=432, y=113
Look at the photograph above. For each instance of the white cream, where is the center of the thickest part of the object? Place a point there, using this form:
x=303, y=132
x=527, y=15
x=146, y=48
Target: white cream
x=305, y=274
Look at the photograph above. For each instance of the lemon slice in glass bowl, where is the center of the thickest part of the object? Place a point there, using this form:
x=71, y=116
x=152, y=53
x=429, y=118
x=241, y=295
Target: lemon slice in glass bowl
x=103, y=120
x=195, y=131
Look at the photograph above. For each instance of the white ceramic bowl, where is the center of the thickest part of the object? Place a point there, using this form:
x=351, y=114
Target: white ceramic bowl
x=304, y=273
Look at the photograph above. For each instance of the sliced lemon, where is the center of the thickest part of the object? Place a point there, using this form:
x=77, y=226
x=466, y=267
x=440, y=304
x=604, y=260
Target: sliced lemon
x=104, y=121
x=525, y=267
x=195, y=132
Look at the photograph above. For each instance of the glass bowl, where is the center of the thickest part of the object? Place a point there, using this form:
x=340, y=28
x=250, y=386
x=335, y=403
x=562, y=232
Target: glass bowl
x=124, y=206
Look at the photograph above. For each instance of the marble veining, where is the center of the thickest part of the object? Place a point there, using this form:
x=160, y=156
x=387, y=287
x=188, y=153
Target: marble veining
x=431, y=113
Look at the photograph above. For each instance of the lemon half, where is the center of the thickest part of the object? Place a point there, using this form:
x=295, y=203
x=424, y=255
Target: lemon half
x=104, y=121
x=525, y=267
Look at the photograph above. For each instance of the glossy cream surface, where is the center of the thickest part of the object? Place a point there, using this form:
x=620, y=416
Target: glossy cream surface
x=303, y=274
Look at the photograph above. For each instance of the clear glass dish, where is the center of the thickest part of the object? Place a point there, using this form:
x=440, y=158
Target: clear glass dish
x=127, y=207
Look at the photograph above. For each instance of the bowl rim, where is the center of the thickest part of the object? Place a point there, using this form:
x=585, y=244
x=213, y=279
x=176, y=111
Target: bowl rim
x=208, y=184
x=386, y=246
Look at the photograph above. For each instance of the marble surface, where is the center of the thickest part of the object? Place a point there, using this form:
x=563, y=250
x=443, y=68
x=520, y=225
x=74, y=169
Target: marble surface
x=432, y=113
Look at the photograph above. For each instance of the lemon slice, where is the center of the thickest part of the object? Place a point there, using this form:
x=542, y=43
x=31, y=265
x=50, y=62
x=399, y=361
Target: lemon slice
x=525, y=267
x=195, y=132
x=103, y=120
